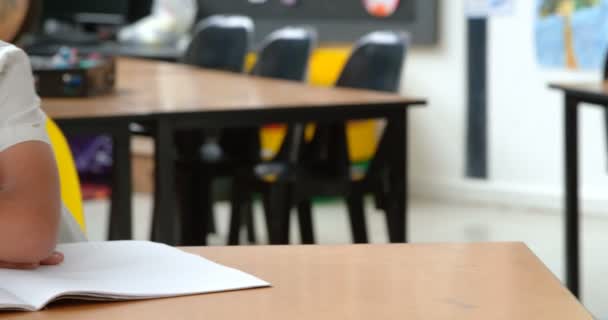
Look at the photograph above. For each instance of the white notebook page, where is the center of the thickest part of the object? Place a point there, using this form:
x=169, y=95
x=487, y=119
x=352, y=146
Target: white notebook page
x=122, y=270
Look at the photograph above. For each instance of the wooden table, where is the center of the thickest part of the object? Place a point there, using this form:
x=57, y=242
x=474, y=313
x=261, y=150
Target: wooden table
x=171, y=97
x=575, y=94
x=422, y=281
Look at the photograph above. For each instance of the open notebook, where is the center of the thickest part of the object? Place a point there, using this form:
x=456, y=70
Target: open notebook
x=120, y=270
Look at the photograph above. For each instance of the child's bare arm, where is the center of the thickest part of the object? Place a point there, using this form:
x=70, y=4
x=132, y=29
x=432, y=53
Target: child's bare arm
x=30, y=200
x=29, y=203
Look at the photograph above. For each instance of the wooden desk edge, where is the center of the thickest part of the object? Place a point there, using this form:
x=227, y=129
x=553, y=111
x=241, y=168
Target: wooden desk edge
x=515, y=244
x=407, y=103
x=584, y=92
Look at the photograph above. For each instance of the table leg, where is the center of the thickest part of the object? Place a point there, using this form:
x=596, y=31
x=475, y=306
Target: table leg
x=397, y=211
x=166, y=222
x=278, y=214
x=120, y=226
x=572, y=196
x=196, y=193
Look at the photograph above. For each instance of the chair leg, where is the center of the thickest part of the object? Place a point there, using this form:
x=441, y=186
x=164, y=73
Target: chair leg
x=236, y=206
x=306, y=222
x=357, y=217
x=183, y=193
x=209, y=209
x=380, y=200
x=279, y=213
x=380, y=193
x=395, y=219
x=266, y=209
x=250, y=222
x=191, y=204
x=202, y=202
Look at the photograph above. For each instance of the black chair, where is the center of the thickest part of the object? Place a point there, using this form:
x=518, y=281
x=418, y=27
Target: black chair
x=284, y=54
x=219, y=42
x=322, y=167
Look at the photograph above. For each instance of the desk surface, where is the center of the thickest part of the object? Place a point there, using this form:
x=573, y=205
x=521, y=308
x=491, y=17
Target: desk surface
x=595, y=92
x=434, y=281
x=150, y=87
x=597, y=87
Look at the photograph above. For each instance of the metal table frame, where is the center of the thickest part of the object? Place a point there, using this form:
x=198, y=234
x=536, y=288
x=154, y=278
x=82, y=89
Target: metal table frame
x=167, y=224
x=573, y=98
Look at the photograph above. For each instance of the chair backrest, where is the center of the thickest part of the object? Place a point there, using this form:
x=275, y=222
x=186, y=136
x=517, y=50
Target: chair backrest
x=285, y=53
x=220, y=42
x=68, y=176
x=375, y=63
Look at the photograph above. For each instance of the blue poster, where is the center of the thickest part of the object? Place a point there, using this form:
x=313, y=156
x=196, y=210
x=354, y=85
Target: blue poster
x=571, y=34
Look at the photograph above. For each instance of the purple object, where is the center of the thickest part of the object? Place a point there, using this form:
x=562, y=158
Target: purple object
x=93, y=157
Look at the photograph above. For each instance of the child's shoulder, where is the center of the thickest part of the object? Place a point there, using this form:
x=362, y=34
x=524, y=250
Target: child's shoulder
x=18, y=100
x=11, y=55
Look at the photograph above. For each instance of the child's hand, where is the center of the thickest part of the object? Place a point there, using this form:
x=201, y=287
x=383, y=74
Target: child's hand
x=53, y=260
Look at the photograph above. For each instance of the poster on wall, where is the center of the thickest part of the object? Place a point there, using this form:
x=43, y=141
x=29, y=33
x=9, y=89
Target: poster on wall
x=381, y=8
x=487, y=8
x=571, y=34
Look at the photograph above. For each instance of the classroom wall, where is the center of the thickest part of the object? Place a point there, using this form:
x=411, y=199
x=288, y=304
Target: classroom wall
x=526, y=121
x=437, y=130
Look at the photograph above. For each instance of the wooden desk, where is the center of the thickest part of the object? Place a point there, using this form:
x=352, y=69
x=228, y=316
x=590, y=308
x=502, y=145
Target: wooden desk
x=434, y=281
x=596, y=93
x=172, y=96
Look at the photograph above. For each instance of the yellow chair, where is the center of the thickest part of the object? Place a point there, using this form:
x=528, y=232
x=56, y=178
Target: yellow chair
x=325, y=67
x=68, y=176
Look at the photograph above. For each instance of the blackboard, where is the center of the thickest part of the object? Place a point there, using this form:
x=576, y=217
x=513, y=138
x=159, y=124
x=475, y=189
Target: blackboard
x=65, y=9
x=132, y=10
x=335, y=20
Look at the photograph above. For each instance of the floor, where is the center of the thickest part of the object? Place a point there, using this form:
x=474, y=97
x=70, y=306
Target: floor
x=433, y=222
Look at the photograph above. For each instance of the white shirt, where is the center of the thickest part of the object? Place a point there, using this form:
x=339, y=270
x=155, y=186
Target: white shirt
x=21, y=118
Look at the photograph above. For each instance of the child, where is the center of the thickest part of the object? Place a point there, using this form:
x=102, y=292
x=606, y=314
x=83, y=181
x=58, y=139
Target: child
x=32, y=218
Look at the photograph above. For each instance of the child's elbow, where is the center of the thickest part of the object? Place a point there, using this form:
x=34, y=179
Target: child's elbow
x=26, y=242
x=38, y=248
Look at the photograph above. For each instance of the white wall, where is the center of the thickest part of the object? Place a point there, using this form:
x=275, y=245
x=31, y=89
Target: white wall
x=526, y=120
x=438, y=73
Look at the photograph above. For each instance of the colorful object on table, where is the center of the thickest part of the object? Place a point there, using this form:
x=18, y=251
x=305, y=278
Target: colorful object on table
x=381, y=8
x=67, y=57
x=68, y=176
x=62, y=59
x=69, y=74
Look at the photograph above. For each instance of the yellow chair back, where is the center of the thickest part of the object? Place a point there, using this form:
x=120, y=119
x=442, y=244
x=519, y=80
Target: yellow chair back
x=325, y=67
x=68, y=176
